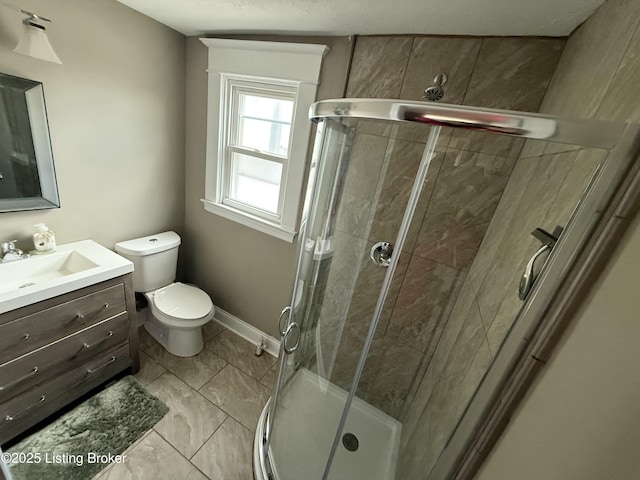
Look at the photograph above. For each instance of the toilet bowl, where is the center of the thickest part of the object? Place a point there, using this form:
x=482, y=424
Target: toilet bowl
x=176, y=311
x=176, y=316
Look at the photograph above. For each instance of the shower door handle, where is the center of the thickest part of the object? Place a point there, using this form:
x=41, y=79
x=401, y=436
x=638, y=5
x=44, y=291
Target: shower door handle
x=549, y=241
x=289, y=349
x=528, y=277
x=283, y=329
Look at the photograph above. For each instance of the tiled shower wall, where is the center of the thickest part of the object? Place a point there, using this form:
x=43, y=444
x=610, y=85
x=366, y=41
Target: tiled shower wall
x=465, y=183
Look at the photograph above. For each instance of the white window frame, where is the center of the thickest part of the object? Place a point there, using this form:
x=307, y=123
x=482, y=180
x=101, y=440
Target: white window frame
x=291, y=69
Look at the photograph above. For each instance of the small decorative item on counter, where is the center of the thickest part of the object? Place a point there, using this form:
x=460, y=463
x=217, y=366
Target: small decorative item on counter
x=44, y=239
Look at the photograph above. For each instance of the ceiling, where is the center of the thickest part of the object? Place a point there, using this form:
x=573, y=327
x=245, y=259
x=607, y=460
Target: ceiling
x=369, y=17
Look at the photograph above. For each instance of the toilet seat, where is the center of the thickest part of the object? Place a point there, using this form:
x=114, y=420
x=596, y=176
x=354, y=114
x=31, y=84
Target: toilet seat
x=181, y=305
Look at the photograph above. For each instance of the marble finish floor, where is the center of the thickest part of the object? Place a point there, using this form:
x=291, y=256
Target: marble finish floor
x=214, y=400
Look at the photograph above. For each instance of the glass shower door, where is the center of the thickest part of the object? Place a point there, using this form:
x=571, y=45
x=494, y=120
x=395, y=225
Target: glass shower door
x=362, y=179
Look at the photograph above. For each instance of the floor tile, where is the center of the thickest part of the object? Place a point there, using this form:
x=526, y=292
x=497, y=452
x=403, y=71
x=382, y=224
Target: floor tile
x=145, y=340
x=211, y=329
x=237, y=394
x=227, y=454
x=191, y=418
x=153, y=459
x=269, y=378
x=194, y=371
x=149, y=369
x=241, y=354
x=102, y=474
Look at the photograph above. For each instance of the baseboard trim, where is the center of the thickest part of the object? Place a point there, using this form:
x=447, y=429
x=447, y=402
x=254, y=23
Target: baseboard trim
x=247, y=331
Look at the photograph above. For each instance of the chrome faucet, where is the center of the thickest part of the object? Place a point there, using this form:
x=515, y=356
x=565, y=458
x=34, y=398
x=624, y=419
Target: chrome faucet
x=10, y=253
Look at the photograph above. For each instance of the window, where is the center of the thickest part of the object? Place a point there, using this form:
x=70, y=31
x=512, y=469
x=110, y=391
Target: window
x=258, y=131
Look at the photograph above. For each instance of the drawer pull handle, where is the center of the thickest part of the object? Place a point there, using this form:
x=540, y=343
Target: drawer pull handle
x=33, y=371
x=25, y=336
x=8, y=418
x=109, y=335
x=113, y=359
x=80, y=316
x=106, y=305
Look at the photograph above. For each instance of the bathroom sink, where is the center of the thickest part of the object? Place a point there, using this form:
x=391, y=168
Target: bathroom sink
x=72, y=266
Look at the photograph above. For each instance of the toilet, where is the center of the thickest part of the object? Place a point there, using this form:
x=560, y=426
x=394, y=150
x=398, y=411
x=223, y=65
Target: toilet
x=177, y=311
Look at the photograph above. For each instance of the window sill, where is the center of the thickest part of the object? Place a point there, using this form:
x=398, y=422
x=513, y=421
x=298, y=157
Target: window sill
x=249, y=220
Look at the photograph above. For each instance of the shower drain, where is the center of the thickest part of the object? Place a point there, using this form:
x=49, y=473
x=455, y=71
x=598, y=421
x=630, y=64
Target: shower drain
x=350, y=442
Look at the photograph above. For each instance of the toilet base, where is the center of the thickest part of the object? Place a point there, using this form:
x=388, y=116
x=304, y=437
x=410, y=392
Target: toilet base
x=181, y=342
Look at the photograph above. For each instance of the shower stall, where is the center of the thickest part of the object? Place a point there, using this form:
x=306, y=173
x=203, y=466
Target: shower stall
x=434, y=241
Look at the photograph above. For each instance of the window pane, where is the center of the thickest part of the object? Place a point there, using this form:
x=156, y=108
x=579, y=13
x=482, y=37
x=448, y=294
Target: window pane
x=255, y=182
x=264, y=123
x=266, y=108
x=265, y=136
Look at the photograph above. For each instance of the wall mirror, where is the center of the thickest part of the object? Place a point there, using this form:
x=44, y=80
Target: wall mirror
x=27, y=173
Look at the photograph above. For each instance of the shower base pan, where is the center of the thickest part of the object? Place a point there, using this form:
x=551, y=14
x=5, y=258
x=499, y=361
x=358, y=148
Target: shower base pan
x=313, y=407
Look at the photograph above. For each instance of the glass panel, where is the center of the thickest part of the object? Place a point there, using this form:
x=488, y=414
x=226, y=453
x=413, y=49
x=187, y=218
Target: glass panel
x=338, y=279
x=459, y=296
x=255, y=182
x=265, y=123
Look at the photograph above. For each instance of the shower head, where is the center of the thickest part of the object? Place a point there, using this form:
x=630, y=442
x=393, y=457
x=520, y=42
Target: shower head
x=435, y=92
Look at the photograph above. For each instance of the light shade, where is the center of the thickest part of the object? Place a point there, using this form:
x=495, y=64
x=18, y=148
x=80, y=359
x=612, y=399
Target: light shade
x=35, y=43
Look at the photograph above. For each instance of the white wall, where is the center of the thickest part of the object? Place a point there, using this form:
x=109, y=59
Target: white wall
x=116, y=116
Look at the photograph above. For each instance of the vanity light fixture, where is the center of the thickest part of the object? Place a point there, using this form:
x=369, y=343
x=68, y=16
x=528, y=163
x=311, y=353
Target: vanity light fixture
x=34, y=42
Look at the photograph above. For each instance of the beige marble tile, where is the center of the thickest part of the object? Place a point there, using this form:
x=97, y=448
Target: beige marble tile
x=580, y=83
x=389, y=375
x=513, y=73
x=367, y=290
x=145, y=340
x=211, y=329
x=378, y=66
x=433, y=55
x=416, y=438
x=194, y=371
x=103, y=472
x=424, y=303
x=402, y=161
x=581, y=169
x=462, y=336
x=414, y=419
x=504, y=215
x=624, y=86
x=269, y=379
x=191, y=418
x=515, y=245
x=227, y=455
x=360, y=315
x=237, y=394
x=359, y=184
x=153, y=459
x=451, y=395
x=240, y=353
x=149, y=369
x=464, y=199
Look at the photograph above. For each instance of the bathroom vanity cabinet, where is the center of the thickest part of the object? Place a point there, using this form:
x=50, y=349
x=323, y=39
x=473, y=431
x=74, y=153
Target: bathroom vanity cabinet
x=54, y=351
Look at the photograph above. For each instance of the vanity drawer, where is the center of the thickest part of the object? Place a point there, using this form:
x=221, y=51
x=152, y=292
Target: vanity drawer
x=59, y=357
x=33, y=331
x=27, y=409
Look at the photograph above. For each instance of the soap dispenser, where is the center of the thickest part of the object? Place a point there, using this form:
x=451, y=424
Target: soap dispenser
x=44, y=239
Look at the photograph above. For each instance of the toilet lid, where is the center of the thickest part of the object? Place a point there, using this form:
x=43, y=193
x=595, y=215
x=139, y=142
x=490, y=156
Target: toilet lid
x=182, y=301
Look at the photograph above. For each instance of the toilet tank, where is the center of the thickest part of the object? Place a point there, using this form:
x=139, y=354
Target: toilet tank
x=154, y=258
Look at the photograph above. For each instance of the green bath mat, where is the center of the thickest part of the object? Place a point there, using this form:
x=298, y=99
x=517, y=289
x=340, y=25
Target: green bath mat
x=85, y=440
